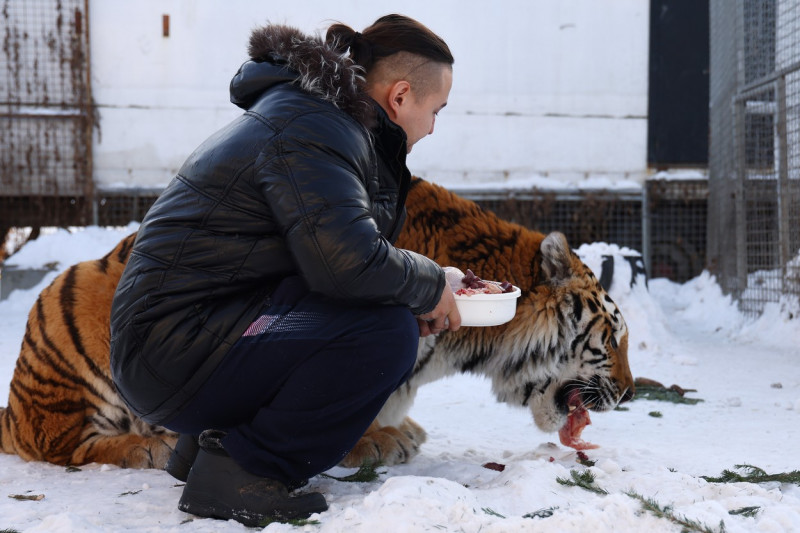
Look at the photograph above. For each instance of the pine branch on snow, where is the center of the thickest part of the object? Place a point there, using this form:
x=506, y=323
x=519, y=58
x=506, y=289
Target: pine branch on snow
x=754, y=474
x=665, y=512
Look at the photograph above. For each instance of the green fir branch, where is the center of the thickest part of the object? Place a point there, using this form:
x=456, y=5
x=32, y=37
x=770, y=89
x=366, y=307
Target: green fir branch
x=541, y=513
x=663, y=394
x=665, y=512
x=584, y=480
x=749, y=512
x=491, y=512
x=754, y=474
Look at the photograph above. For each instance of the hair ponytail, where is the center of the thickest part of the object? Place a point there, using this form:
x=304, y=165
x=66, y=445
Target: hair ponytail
x=342, y=37
x=387, y=36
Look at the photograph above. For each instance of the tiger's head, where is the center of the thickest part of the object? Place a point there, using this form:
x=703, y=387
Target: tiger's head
x=568, y=342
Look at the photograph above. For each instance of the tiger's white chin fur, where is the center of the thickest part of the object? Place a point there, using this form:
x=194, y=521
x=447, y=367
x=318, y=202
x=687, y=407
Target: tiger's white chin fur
x=548, y=415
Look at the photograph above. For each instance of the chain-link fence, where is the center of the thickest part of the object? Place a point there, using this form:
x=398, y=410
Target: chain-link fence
x=754, y=163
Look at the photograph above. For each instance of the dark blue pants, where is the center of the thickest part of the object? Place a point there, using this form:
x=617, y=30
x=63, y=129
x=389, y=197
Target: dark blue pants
x=304, y=382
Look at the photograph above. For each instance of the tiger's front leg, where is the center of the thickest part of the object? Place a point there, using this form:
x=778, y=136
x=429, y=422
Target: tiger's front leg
x=126, y=450
x=387, y=445
x=114, y=435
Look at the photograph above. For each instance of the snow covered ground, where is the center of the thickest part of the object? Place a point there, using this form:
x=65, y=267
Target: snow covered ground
x=652, y=455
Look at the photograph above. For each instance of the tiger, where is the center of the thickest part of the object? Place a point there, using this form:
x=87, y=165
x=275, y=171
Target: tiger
x=567, y=335
x=63, y=407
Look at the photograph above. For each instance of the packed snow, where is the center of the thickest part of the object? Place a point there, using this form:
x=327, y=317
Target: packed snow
x=650, y=463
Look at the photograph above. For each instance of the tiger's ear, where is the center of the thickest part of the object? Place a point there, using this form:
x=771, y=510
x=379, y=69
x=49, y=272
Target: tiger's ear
x=556, y=258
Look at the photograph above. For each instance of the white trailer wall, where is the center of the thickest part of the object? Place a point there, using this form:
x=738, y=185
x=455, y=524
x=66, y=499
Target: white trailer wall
x=546, y=92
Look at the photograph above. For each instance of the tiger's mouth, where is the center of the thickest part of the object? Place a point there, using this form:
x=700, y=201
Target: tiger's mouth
x=577, y=417
x=571, y=397
x=595, y=394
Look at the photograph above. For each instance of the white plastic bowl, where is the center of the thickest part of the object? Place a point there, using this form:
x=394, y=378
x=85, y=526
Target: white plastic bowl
x=487, y=309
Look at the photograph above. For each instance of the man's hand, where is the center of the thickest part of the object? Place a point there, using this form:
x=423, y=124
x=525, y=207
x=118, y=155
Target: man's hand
x=444, y=316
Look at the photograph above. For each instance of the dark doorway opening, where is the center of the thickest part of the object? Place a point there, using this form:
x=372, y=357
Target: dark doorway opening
x=677, y=133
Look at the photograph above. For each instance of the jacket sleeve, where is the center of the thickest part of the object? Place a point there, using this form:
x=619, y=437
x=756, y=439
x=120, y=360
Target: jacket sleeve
x=312, y=178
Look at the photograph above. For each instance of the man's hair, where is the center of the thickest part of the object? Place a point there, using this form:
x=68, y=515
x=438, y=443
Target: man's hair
x=394, y=47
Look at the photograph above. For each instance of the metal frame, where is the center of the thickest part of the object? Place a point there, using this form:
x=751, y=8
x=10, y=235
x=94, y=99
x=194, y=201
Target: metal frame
x=763, y=199
x=47, y=115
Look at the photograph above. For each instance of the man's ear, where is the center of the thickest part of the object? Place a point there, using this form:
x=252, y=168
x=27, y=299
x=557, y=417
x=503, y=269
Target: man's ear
x=399, y=93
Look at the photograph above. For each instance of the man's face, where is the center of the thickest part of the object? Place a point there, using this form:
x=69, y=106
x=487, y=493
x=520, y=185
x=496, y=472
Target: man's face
x=417, y=115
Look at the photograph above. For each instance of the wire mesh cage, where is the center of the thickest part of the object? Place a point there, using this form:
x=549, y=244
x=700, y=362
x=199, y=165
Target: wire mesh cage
x=116, y=207
x=46, y=111
x=584, y=217
x=47, y=116
x=754, y=156
x=665, y=222
x=676, y=228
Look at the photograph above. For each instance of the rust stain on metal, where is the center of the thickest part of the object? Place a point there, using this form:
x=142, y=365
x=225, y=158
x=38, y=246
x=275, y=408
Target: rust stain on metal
x=47, y=114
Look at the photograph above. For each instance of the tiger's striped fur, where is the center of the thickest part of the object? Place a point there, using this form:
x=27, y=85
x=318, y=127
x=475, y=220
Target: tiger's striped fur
x=62, y=405
x=567, y=333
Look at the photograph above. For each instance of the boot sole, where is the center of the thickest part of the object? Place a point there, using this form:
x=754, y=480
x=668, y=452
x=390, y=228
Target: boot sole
x=208, y=506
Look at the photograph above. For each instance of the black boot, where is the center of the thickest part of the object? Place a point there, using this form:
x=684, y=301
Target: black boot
x=218, y=487
x=182, y=457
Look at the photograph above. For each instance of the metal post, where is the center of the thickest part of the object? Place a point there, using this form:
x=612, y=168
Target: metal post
x=740, y=209
x=646, y=243
x=782, y=188
x=87, y=107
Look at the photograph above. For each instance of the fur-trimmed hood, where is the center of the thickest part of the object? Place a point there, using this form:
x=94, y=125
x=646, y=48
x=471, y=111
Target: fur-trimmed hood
x=281, y=53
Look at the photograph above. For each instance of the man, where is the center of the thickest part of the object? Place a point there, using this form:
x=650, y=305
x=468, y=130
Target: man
x=264, y=306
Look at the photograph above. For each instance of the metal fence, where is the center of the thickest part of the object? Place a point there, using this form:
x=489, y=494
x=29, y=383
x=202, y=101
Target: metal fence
x=754, y=156
x=46, y=113
x=665, y=221
x=47, y=116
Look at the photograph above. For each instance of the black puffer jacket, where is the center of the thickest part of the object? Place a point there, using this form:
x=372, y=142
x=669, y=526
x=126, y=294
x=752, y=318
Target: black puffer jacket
x=297, y=185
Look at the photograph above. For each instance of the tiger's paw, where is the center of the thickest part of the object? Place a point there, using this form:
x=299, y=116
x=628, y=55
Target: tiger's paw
x=387, y=445
x=127, y=450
